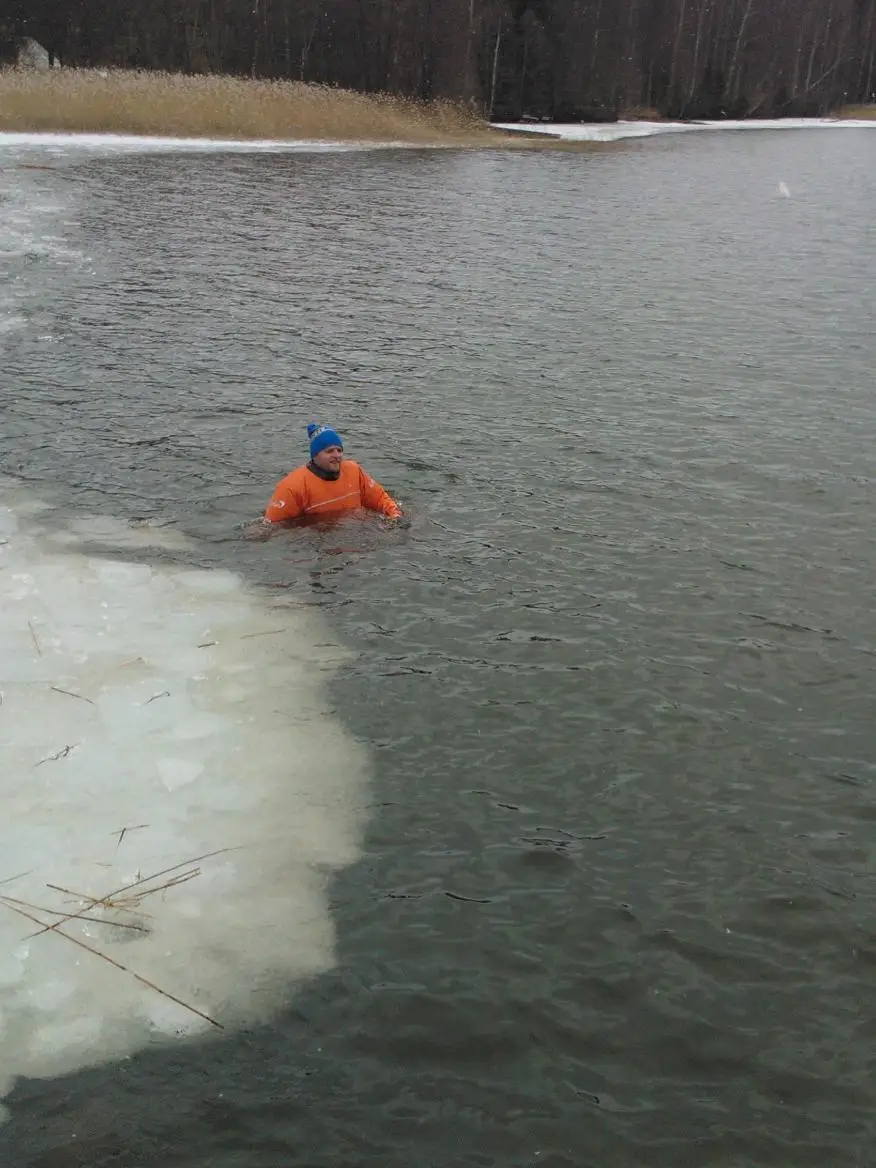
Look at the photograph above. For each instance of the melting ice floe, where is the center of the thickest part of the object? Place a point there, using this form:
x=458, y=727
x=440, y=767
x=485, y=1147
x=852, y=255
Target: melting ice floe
x=151, y=716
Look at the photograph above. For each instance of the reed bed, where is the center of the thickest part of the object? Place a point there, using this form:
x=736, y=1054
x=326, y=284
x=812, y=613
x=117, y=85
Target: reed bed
x=209, y=106
x=857, y=112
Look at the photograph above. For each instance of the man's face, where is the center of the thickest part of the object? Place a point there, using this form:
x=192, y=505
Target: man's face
x=329, y=459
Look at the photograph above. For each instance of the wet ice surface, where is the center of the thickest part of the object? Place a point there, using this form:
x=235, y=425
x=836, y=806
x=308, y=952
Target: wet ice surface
x=174, y=789
x=617, y=131
x=148, y=144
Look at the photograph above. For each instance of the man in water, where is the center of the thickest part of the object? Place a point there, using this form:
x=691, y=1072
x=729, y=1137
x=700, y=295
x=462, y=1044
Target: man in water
x=327, y=485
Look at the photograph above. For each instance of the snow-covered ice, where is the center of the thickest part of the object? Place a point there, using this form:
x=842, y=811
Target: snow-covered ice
x=175, y=794
x=110, y=144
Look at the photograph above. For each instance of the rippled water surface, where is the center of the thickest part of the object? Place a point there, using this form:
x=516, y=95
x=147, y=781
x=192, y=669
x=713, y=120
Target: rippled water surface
x=617, y=680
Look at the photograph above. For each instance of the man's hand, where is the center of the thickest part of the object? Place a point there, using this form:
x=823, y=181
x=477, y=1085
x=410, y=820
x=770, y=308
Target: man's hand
x=259, y=529
x=401, y=521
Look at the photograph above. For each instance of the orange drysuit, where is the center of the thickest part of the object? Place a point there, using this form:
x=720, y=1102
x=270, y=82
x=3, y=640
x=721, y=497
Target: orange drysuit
x=302, y=492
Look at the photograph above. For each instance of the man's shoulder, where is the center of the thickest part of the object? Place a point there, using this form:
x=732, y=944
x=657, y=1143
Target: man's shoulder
x=358, y=472
x=297, y=472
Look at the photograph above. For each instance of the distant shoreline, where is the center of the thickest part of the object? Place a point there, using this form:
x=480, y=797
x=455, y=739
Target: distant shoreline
x=216, y=107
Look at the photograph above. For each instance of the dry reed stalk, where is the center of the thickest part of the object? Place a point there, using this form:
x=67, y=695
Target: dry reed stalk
x=117, y=892
x=35, y=639
x=124, y=831
x=858, y=112
x=165, y=693
x=62, y=753
x=10, y=900
x=118, y=965
x=70, y=694
x=117, y=901
x=126, y=903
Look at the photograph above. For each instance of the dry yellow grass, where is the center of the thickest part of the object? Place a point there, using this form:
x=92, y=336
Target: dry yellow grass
x=862, y=112
x=177, y=105
x=641, y=113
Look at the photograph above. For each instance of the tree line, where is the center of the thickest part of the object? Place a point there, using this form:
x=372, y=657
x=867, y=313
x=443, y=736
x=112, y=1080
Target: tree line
x=555, y=59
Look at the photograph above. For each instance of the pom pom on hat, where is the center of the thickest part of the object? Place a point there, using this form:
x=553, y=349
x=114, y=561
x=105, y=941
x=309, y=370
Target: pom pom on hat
x=321, y=437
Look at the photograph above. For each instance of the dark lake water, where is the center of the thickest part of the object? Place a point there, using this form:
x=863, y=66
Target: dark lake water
x=616, y=902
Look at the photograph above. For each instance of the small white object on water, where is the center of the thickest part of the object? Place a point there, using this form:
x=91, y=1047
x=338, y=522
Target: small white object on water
x=784, y=191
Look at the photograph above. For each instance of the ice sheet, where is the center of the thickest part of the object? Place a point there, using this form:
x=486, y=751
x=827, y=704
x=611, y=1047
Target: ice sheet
x=616, y=131
x=62, y=144
x=160, y=729
x=146, y=144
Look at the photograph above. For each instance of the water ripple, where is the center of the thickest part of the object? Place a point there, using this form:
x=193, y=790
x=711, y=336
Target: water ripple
x=617, y=679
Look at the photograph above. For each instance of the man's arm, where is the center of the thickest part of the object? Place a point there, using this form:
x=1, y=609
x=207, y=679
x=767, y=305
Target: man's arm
x=287, y=501
x=375, y=498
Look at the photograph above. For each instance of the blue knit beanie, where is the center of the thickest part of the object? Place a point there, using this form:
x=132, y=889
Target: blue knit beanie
x=321, y=437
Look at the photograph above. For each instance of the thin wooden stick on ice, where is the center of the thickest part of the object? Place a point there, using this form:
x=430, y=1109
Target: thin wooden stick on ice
x=130, y=903
x=136, y=884
x=71, y=694
x=13, y=900
x=124, y=968
x=124, y=831
x=35, y=638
